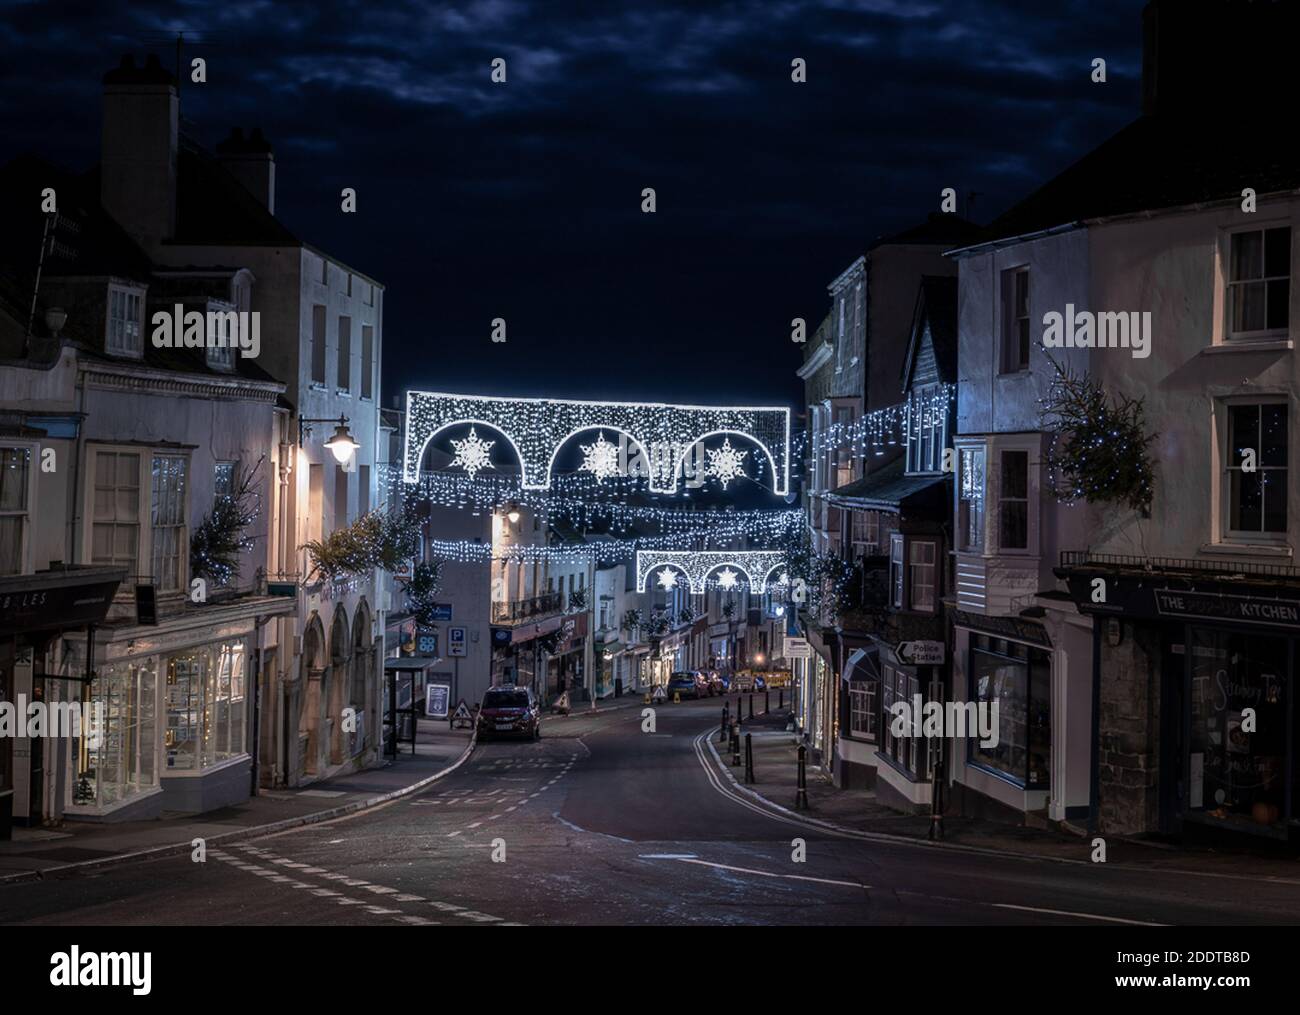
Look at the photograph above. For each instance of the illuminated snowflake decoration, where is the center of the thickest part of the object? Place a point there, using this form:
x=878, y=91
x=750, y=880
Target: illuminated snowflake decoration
x=725, y=463
x=472, y=453
x=600, y=458
x=727, y=578
x=667, y=578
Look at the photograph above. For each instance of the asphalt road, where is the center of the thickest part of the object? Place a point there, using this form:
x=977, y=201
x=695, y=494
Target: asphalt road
x=601, y=823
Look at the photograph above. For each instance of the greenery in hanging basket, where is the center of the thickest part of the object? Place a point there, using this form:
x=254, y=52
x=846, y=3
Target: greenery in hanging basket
x=375, y=540
x=1099, y=451
x=222, y=537
x=578, y=599
x=659, y=625
x=687, y=615
x=729, y=610
x=632, y=619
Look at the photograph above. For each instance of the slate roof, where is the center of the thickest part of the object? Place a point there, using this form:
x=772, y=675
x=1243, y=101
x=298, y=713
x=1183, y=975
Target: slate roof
x=889, y=489
x=936, y=303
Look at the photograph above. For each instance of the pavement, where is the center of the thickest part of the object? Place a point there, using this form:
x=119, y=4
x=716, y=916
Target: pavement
x=35, y=852
x=613, y=819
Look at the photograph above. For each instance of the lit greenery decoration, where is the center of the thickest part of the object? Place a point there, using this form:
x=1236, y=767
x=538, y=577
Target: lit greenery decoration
x=420, y=588
x=578, y=599
x=659, y=624
x=633, y=619
x=687, y=615
x=1100, y=450
x=221, y=538
x=729, y=610
x=548, y=643
x=831, y=585
x=375, y=540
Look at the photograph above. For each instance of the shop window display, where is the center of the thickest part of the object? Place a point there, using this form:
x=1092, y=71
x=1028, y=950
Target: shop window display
x=1018, y=678
x=123, y=763
x=1236, y=766
x=206, y=706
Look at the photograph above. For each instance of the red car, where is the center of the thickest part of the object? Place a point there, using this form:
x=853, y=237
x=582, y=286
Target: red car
x=509, y=711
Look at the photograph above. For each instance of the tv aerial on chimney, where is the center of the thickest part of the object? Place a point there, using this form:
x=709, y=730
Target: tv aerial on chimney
x=194, y=38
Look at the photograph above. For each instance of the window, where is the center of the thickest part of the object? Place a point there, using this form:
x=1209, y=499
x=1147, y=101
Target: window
x=318, y=344
x=340, y=498
x=898, y=686
x=1013, y=501
x=167, y=518
x=970, y=499
x=866, y=529
x=896, y=570
x=223, y=479
x=367, y=361
x=115, y=533
x=1259, y=282
x=124, y=761
x=345, y=353
x=1018, y=678
x=927, y=432
x=221, y=357
x=324, y=272
x=349, y=283
x=1015, y=320
x=206, y=706
x=844, y=446
x=370, y=294
x=363, y=489
x=125, y=329
x=15, y=485
x=921, y=577
x=1257, y=434
x=862, y=708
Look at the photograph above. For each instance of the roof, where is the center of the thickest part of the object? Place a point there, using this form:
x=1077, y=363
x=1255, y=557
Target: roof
x=890, y=489
x=1157, y=161
x=213, y=207
x=939, y=229
x=936, y=305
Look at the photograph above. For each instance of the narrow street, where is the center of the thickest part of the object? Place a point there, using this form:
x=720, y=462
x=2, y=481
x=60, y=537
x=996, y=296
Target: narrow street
x=604, y=824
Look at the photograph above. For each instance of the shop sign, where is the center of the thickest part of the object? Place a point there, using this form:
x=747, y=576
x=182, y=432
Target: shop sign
x=797, y=648
x=1239, y=609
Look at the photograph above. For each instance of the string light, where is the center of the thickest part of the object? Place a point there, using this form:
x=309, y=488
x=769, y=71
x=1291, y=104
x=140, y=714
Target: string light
x=697, y=565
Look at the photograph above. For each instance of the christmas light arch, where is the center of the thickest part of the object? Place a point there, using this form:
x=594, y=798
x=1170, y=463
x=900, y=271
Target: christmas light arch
x=697, y=565
x=550, y=464
x=533, y=427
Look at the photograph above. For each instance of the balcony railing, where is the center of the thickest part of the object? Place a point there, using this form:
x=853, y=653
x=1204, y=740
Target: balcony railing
x=519, y=611
x=1083, y=559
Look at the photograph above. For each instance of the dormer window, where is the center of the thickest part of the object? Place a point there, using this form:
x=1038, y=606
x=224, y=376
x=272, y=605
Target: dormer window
x=927, y=432
x=124, y=331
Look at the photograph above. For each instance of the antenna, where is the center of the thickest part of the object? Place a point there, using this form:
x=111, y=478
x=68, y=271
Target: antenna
x=192, y=37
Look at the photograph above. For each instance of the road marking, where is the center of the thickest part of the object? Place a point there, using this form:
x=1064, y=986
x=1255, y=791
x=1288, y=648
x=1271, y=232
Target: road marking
x=771, y=874
x=667, y=856
x=1081, y=916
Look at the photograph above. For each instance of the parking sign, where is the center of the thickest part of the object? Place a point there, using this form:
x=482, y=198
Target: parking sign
x=456, y=641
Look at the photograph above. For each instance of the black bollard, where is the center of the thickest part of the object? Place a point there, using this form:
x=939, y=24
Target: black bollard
x=722, y=733
x=751, y=706
x=767, y=702
x=749, y=757
x=780, y=698
x=735, y=744
x=801, y=795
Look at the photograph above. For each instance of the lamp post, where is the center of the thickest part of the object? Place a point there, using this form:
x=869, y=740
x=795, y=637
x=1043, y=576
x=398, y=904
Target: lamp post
x=341, y=443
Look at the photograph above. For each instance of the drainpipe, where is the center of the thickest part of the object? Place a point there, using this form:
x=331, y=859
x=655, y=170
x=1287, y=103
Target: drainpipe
x=1095, y=745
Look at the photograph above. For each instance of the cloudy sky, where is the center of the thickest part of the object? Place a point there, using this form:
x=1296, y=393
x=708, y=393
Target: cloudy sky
x=522, y=200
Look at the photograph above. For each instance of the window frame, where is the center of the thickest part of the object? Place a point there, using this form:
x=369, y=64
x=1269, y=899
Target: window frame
x=913, y=566
x=1007, y=364
x=897, y=570
x=33, y=449
x=1227, y=534
x=962, y=522
x=126, y=291
x=1029, y=498
x=1262, y=334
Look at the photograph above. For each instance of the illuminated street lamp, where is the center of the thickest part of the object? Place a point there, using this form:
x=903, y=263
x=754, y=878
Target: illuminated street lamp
x=342, y=444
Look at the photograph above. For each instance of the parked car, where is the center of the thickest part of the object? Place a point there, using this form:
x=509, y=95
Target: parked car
x=683, y=683
x=716, y=684
x=509, y=711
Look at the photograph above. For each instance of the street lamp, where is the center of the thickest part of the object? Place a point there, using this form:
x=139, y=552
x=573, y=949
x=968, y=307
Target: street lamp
x=512, y=512
x=342, y=444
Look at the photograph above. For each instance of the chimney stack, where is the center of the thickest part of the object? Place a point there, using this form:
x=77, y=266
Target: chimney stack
x=138, y=150
x=1218, y=56
x=250, y=161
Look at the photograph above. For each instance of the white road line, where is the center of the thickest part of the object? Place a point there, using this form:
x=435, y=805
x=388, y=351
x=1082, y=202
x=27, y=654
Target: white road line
x=771, y=874
x=1080, y=916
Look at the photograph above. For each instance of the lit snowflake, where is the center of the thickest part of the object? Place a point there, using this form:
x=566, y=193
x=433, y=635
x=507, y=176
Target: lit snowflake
x=472, y=453
x=725, y=463
x=727, y=578
x=784, y=579
x=667, y=578
x=600, y=458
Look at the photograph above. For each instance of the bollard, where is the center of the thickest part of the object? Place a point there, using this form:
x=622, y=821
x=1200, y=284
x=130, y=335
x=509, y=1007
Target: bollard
x=735, y=744
x=751, y=706
x=780, y=698
x=722, y=733
x=767, y=702
x=936, y=802
x=749, y=757
x=801, y=794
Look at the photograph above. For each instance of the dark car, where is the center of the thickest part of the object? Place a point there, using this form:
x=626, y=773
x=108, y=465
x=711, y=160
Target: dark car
x=509, y=711
x=683, y=683
x=716, y=683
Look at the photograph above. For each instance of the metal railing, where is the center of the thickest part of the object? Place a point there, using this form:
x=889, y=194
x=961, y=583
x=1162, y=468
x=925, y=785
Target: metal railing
x=1130, y=562
x=517, y=611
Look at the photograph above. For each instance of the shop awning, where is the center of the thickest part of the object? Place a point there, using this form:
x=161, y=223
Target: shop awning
x=890, y=489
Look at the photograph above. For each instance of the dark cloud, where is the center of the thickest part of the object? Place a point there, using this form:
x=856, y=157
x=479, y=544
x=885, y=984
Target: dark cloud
x=522, y=201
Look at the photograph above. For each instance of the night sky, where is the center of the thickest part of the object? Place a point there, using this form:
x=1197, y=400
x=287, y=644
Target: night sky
x=522, y=200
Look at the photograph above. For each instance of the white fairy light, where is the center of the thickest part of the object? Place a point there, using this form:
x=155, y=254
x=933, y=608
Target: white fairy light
x=697, y=565
x=727, y=578
x=725, y=463
x=667, y=578
x=600, y=458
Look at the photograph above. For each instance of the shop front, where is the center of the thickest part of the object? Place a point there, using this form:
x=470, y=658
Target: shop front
x=177, y=698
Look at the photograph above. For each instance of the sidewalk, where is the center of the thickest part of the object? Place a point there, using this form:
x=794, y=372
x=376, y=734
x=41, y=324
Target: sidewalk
x=37, y=851
x=857, y=810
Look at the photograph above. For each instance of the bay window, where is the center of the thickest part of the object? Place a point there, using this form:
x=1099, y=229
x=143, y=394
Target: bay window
x=970, y=499
x=123, y=763
x=206, y=706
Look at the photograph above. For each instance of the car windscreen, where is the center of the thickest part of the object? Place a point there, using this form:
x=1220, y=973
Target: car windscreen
x=505, y=699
